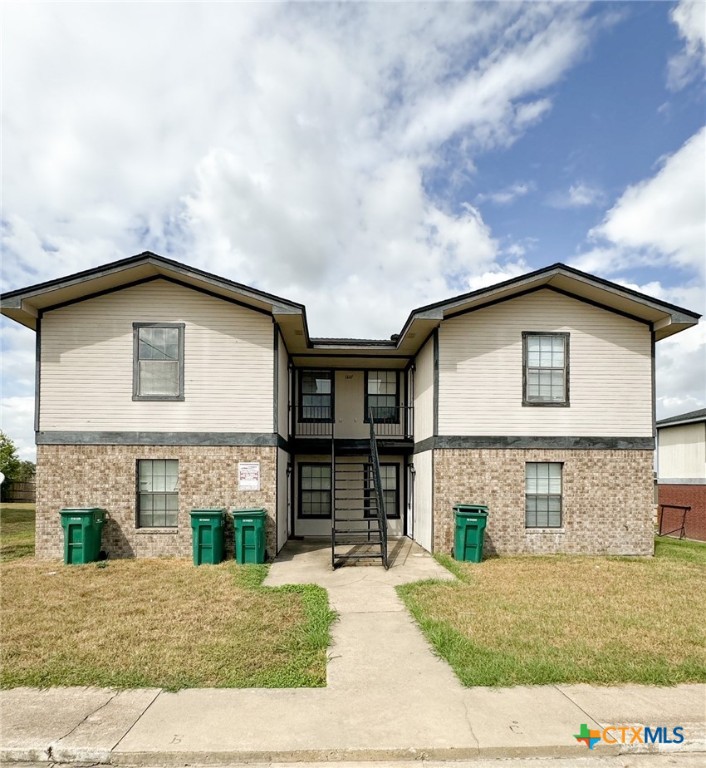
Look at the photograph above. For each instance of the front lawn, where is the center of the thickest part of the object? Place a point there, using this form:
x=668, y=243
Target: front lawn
x=540, y=620
x=16, y=531
x=158, y=622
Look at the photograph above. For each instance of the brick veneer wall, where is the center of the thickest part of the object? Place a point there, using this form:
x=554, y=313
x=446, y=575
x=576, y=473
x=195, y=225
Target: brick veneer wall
x=105, y=476
x=608, y=500
x=685, y=495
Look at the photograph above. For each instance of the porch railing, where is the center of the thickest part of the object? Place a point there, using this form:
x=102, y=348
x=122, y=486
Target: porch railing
x=387, y=422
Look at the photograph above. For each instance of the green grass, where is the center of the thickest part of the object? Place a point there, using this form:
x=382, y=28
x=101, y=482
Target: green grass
x=16, y=531
x=686, y=551
x=159, y=623
x=541, y=620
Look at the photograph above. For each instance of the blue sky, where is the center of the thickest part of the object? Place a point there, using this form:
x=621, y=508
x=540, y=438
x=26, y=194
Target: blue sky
x=362, y=159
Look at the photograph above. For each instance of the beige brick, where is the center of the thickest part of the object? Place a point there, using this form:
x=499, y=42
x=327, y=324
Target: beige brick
x=608, y=500
x=105, y=476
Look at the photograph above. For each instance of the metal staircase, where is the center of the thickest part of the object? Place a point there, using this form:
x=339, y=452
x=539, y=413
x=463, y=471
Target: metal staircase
x=359, y=522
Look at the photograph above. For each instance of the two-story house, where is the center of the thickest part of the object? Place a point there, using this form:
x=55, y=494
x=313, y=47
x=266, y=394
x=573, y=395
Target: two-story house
x=162, y=388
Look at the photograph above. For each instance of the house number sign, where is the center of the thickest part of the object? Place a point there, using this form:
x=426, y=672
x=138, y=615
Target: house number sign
x=249, y=476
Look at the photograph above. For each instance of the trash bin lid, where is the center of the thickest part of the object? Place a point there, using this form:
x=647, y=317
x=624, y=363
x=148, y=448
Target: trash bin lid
x=208, y=511
x=82, y=512
x=468, y=509
x=256, y=512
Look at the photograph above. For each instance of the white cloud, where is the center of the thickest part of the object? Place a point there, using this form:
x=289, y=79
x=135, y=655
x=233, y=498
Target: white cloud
x=17, y=394
x=680, y=362
x=661, y=221
x=506, y=195
x=286, y=146
x=17, y=357
x=688, y=64
x=17, y=416
x=681, y=372
x=662, y=218
x=579, y=195
x=498, y=275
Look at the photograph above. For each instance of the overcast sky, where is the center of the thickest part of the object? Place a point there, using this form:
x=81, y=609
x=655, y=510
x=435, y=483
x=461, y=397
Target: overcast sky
x=361, y=159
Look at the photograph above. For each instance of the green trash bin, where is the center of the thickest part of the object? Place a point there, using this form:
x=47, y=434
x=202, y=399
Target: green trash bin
x=249, y=526
x=207, y=535
x=470, y=527
x=82, y=534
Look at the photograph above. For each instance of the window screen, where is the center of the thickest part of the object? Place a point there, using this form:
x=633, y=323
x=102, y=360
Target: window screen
x=543, y=495
x=158, y=493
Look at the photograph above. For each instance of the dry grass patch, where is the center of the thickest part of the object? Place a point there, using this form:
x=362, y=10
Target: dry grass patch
x=538, y=620
x=162, y=623
x=16, y=531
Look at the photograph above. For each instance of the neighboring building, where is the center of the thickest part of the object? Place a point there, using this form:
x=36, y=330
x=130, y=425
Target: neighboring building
x=681, y=474
x=161, y=388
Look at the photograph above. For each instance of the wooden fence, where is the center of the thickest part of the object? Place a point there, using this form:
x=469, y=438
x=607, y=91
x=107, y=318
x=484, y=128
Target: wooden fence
x=18, y=492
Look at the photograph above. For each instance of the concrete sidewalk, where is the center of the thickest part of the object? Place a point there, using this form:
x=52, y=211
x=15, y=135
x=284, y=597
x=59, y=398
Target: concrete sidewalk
x=388, y=698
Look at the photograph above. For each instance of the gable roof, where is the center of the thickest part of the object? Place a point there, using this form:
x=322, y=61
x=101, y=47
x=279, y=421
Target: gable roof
x=665, y=318
x=26, y=305
x=692, y=417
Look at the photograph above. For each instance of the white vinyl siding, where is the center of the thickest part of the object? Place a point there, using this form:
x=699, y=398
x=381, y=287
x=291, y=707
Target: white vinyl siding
x=682, y=452
x=424, y=392
x=480, y=371
x=282, y=388
x=87, y=364
x=423, y=479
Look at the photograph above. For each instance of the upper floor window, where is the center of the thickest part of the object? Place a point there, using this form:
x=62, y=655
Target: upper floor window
x=546, y=368
x=382, y=396
x=316, y=396
x=157, y=493
x=543, y=495
x=158, y=368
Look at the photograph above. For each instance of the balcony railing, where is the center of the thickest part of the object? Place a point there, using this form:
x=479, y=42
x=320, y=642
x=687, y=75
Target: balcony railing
x=320, y=421
x=313, y=421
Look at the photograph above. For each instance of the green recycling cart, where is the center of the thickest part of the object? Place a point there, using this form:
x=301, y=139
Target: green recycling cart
x=469, y=527
x=207, y=535
x=82, y=534
x=249, y=528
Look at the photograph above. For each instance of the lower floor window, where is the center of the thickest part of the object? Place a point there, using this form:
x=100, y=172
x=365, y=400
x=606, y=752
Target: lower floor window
x=157, y=493
x=389, y=476
x=543, y=495
x=315, y=490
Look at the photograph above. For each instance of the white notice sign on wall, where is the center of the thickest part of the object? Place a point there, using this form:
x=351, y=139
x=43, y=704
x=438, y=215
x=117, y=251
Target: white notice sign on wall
x=249, y=476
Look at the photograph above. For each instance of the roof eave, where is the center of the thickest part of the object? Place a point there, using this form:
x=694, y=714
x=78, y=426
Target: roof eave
x=665, y=319
x=25, y=305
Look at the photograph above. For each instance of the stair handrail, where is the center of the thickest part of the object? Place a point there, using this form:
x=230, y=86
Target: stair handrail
x=382, y=515
x=333, y=499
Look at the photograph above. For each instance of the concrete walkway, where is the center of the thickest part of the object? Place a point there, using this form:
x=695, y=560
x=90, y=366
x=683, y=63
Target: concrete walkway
x=388, y=698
